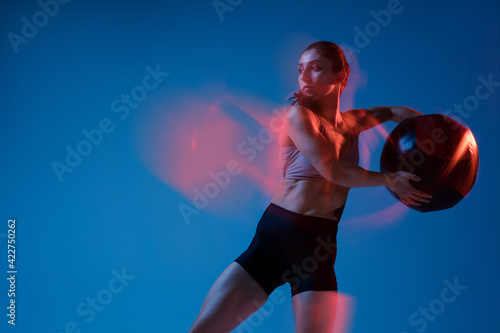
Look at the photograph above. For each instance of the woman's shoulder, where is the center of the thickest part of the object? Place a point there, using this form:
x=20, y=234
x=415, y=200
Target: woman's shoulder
x=298, y=116
x=370, y=117
x=355, y=118
x=351, y=118
x=354, y=115
x=298, y=112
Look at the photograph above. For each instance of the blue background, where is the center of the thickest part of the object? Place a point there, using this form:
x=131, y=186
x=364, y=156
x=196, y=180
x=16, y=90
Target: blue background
x=113, y=212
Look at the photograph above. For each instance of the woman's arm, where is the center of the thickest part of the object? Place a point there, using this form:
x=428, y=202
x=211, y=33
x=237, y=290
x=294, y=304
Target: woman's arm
x=313, y=145
x=370, y=117
x=400, y=113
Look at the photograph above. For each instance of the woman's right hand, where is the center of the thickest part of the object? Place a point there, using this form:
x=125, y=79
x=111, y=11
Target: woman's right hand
x=399, y=182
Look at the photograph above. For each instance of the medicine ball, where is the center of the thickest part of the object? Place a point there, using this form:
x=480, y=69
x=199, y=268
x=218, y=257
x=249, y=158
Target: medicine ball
x=440, y=151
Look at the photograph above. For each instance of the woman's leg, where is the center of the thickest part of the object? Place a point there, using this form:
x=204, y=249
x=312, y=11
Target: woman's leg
x=314, y=311
x=234, y=296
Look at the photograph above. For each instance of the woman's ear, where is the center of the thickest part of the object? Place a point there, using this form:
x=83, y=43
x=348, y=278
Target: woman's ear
x=340, y=77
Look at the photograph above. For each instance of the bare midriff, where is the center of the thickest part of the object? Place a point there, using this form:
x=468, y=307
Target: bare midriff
x=310, y=197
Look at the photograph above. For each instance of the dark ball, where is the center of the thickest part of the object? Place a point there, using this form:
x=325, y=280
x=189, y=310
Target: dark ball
x=440, y=151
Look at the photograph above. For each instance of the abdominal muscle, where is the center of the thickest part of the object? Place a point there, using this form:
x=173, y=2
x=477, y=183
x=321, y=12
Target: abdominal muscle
x=310, y=197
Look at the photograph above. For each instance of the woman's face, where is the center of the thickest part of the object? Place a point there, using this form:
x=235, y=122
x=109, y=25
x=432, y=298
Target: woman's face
x=316, y=78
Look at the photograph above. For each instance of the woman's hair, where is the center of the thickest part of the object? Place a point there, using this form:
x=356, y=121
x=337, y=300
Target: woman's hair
x=334, y=53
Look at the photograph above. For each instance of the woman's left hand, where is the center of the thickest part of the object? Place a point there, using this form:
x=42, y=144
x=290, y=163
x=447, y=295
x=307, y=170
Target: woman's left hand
x=399, y=182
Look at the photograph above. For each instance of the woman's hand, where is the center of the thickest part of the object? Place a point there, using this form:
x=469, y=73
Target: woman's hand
x=399, y=182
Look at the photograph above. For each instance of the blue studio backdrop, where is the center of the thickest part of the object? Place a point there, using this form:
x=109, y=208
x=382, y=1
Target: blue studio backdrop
x=135, y=164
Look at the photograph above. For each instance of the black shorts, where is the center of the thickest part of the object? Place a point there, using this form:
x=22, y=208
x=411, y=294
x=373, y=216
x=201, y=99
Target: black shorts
x=294, y=248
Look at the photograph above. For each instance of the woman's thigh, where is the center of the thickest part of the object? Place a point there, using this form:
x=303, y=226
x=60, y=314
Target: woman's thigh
x=315, y=311
x=233, y=297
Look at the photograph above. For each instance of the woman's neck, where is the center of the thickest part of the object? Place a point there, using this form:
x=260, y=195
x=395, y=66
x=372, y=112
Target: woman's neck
x=328, y=108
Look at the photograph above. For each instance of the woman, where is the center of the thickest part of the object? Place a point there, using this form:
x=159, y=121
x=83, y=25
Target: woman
x=296, y=236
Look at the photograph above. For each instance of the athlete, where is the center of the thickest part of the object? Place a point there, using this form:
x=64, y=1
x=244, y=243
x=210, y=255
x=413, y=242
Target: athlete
x=295, y=239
